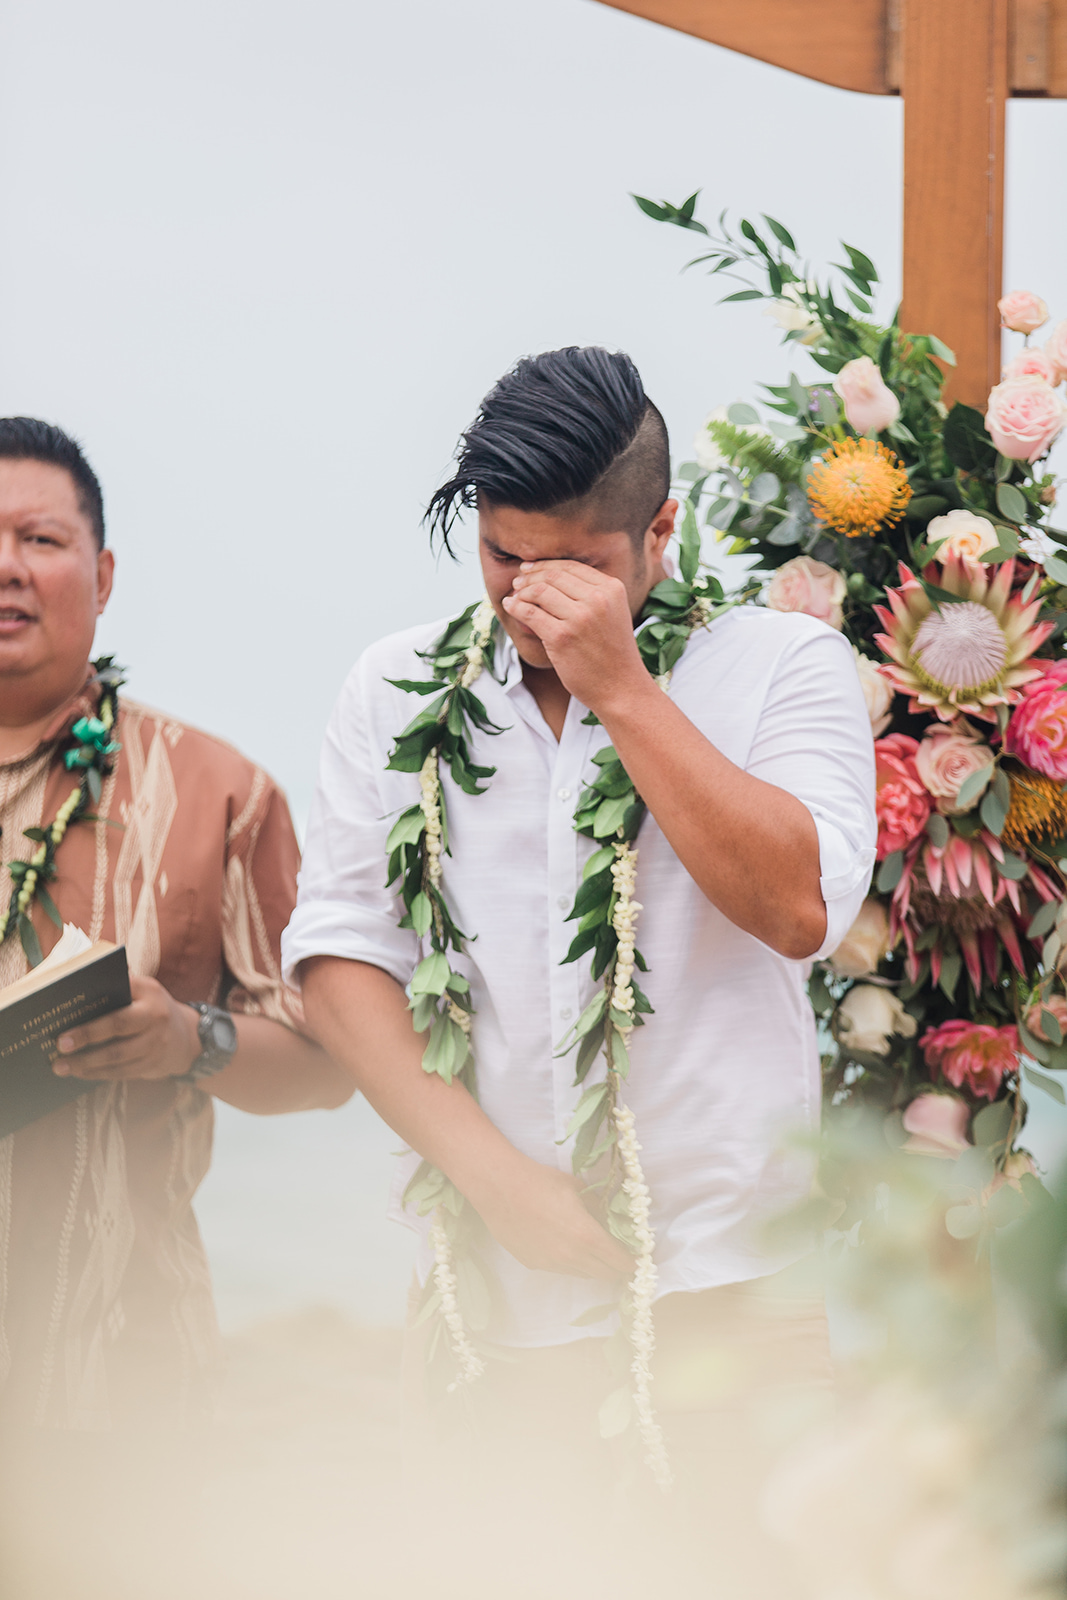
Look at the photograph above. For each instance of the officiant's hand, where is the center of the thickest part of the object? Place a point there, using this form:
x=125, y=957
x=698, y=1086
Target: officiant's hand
x=583, y=618
x=539, y=1216
x=155, y=1036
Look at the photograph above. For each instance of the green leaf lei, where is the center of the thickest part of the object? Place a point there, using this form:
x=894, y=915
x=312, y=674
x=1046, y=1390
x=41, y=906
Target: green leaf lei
x=609, y=812
x=88, y=752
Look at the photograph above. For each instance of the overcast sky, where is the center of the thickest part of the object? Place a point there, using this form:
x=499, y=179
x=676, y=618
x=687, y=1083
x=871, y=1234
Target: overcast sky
x=264, y=259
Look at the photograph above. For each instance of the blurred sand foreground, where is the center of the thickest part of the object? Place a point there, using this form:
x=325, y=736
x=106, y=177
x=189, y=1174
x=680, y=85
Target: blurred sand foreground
x=303, y=1490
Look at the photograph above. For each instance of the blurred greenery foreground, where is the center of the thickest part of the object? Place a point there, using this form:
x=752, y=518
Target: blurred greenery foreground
x=924, y=533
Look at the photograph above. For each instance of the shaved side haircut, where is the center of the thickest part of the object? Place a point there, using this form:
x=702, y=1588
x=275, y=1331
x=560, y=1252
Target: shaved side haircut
x=570, y=433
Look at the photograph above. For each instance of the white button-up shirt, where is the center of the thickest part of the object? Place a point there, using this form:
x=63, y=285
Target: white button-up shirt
x=727, y=1069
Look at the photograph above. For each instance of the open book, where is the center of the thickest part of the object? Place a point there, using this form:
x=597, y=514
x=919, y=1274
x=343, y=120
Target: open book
x=76, y=982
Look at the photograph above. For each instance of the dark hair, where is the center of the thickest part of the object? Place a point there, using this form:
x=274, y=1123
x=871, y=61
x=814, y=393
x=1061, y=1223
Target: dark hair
x=27, y=439
x=569, y=431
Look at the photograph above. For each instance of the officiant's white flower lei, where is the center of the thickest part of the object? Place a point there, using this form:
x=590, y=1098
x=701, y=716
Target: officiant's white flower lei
x=606, y=1150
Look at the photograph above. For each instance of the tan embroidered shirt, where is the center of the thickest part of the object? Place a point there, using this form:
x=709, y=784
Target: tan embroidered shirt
x=106, y=1316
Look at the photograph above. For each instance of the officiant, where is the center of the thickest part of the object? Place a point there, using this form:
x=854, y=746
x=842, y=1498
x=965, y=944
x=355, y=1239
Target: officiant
x=187, y=856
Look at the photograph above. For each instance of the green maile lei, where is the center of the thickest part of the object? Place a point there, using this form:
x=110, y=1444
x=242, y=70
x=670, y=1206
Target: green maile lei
x=609, y=812
x=88, y=751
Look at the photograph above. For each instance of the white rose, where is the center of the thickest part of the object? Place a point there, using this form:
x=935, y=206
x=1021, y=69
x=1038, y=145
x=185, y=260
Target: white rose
x=961, y=533
x=865, y=943
x=793, y=316
x=868, y=1016
x=877, y=692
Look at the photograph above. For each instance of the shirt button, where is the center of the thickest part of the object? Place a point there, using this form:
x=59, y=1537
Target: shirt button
x=563, y=902
x=563, y=794
x=566, y=1013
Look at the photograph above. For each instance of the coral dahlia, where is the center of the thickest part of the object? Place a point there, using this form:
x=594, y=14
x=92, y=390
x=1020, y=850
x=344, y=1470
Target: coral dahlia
x=969, y=655
x=972, y=1055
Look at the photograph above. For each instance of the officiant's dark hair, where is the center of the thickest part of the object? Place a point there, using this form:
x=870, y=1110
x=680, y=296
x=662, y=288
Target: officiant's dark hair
x=27, y=439
x=570, y=432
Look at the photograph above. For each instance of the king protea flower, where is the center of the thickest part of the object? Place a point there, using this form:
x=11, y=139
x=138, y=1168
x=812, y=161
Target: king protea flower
x=960, y=890
x=971, y=654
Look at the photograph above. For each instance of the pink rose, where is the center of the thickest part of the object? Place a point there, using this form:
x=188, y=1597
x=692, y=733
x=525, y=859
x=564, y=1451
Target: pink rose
x=945, y=759
x=1056, y=350
x=937, y=1124
x=1022, y=311
x=972, y=1055
x=1023, y=417
x=1058, y=1007
x=901, y=802
x=870, y=405
x=1037, y=731
x=810, y=586
x=1032, y=363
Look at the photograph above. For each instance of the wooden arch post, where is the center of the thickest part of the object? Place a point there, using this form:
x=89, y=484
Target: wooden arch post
x=955, y=62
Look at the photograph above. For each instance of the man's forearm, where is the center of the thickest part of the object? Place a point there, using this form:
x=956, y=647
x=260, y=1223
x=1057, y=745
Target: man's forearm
x=361, y=1016
x=275, y=1069
x=751, y=848
x=533, y=1210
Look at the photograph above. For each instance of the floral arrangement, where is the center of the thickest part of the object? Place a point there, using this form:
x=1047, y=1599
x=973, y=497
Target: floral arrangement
x=922, y=532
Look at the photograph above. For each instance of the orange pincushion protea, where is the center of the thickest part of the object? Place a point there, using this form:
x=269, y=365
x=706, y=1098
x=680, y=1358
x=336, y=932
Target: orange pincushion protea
x=970, y=655
x=858, y=486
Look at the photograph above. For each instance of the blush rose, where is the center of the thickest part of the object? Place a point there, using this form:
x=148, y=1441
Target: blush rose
x=1056, y=350
x=901, y=802
x=972, y=1055
x=1022, y=311
x=945, y=759
x=810, y=586
x=1023, y=417
x=870, y=405
x=1033, y=363
x=937, y=1125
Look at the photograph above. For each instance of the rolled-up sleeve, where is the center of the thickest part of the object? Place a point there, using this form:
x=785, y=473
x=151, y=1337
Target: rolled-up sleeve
x=814, y=740
x=343, y=907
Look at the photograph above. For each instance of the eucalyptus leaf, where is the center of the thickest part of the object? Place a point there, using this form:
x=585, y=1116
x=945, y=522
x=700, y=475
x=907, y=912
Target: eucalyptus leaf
x=991, y=1124
x=1011, y=502
x=1043, y=919
x=993, y=812
x=1056, y=567
x=1050, y=1027
x=742, y=416
x=973, y=785
x=1049, y=1085
x=764, y=488
x=937, y=828
x=890, y=872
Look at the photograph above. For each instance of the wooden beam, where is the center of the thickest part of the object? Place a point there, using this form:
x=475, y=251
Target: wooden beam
x=955, y=83
x=856, y=44
x=842, y=42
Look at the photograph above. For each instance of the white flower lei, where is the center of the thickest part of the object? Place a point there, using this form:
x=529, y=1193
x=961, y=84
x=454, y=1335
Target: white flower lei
x=459, y=659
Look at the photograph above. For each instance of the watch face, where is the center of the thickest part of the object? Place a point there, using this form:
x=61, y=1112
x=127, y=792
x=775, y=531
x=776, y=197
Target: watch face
x=221, y=1034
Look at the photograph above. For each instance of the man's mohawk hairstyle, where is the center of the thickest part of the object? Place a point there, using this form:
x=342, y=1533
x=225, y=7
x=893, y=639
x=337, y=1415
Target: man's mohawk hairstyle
x=548, y=434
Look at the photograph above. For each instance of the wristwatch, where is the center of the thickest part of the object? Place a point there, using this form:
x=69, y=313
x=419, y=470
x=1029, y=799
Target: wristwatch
x=218, y=1041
